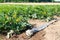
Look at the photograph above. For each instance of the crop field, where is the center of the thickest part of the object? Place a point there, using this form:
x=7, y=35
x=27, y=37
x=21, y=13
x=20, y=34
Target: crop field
x=22, y=16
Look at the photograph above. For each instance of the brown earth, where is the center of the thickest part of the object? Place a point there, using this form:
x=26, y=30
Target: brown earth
x=52, y=32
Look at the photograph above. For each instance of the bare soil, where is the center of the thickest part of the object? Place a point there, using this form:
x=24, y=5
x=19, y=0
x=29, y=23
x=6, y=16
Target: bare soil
x=52, y=32
x=42, y=3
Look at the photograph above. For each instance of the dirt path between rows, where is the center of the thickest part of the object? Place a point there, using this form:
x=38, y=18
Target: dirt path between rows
x=52, y=32
x=42, y=3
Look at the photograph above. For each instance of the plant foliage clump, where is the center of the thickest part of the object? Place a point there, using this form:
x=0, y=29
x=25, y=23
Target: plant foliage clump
x=15, y=17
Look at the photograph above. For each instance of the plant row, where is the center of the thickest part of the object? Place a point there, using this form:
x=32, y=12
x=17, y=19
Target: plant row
x=15, y=17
